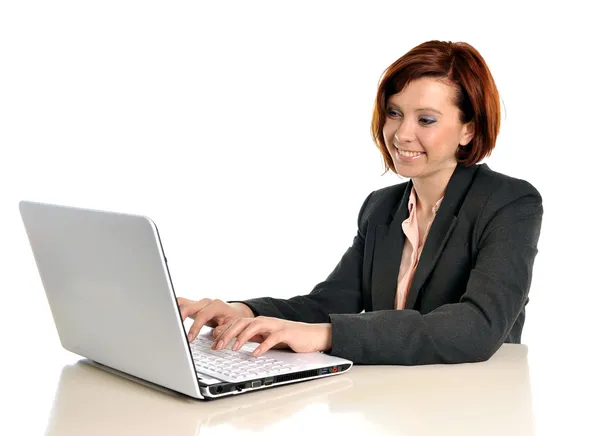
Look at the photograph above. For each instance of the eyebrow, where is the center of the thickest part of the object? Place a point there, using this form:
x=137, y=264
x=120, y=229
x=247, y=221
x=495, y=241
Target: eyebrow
x=430, y=109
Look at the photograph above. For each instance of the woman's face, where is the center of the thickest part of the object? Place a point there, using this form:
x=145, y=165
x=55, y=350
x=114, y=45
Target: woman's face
x=422, y=130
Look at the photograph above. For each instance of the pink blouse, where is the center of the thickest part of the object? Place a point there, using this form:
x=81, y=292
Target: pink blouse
x=410, y=255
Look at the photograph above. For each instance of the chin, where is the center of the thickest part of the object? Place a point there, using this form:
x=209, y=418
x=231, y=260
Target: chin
x=408, y=174
x=408, y=171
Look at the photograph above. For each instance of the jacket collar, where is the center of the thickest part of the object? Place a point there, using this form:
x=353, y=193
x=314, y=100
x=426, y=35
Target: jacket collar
x=389, y=241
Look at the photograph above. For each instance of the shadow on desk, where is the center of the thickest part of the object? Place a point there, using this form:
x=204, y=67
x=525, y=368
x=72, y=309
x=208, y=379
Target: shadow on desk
x=488, y=398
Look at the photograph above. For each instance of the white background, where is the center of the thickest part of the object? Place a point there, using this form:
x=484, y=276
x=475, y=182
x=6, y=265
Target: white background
x=242, y=129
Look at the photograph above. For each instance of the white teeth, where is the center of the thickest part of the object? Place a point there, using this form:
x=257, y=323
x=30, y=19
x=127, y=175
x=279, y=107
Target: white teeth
x=409, y=153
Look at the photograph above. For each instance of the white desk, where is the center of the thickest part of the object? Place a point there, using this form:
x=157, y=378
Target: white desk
x=489, y=398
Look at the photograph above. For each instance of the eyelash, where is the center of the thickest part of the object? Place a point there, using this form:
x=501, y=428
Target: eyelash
x=428, y=121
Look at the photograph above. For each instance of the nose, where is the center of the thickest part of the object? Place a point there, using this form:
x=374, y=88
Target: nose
x=405, y=132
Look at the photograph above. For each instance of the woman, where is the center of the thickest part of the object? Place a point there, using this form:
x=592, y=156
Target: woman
x=441, y=265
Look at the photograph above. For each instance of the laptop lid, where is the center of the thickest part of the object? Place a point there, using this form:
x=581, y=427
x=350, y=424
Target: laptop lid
x=110, y=293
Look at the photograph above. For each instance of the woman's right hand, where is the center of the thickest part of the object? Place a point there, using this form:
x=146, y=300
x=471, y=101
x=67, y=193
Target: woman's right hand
x=211, y=313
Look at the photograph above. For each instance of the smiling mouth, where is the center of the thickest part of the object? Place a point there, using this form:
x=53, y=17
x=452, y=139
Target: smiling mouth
x=407, y=156
x=407, y=153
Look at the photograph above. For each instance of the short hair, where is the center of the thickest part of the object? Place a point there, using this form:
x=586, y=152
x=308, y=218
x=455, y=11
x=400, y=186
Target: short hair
x=459, y=65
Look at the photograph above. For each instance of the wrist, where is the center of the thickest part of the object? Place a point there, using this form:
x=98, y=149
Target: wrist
x=243, y=309
x=327, y=338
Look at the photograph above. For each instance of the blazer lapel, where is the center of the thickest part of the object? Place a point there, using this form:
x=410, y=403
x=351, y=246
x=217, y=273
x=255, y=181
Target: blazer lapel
x=441, y=229
x=389, y=243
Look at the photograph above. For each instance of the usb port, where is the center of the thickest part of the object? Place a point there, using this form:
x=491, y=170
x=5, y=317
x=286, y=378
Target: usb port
x=323, y=371
x=256, y=384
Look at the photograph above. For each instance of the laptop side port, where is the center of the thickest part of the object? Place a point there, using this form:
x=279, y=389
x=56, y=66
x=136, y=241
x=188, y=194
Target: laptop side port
x=256, y=384
x=268, y=381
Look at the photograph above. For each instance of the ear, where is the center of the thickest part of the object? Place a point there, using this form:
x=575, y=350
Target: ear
x=467, y=132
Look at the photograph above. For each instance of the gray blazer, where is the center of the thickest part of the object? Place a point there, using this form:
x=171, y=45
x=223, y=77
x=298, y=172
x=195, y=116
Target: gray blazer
x=470, y=288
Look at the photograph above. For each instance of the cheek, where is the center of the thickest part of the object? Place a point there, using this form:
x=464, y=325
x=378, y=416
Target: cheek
x=437, y=139
x=429, y=140
x=388, y=134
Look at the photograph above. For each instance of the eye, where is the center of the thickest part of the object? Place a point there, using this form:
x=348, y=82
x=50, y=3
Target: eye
x=392, y=112
x=427, y=121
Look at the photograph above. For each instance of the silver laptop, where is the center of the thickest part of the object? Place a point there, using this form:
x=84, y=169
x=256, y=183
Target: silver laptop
x=108, y=287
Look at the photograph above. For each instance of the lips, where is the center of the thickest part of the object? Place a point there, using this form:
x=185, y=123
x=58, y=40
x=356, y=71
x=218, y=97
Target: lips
x=406, y=151
x=409, y=153
x=408, y=156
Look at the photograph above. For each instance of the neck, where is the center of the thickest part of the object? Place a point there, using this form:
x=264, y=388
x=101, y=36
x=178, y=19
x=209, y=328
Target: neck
x=431, y=188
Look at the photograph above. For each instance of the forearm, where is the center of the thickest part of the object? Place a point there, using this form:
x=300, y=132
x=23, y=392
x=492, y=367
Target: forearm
x=339, y=293
x=407, y=337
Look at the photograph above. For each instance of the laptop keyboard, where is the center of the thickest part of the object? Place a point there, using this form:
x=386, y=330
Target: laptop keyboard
x=235, y=365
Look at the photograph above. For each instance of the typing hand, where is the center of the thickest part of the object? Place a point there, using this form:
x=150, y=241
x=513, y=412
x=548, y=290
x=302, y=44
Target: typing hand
x=275, y=332
x=211, y=313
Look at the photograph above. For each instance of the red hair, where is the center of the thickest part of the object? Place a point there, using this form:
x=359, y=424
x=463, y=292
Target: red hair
x=459, y=65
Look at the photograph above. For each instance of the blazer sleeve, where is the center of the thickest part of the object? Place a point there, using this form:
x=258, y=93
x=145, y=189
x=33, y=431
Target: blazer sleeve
x=472, y=329
x=340, y=292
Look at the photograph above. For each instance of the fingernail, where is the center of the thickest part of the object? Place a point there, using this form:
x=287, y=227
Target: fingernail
x=220, y=345
x=256, y=352
x=236, y=345
x=190, y=336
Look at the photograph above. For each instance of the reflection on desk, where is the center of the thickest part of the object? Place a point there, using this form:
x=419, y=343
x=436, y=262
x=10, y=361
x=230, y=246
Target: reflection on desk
x=488, y=398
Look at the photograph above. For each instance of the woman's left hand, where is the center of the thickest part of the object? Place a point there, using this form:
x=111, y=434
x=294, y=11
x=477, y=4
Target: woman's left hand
x=273, y=333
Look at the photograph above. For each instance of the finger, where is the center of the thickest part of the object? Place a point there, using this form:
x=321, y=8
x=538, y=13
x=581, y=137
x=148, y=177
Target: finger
x=225, y=337
x=258, y=338
x=201, y=319
x=186, y=311
x=219, y=329
x=183, y=301
x=259, y=326
x=218, y=332
x=190, y=309
x=234, y=329
x=272, y=341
